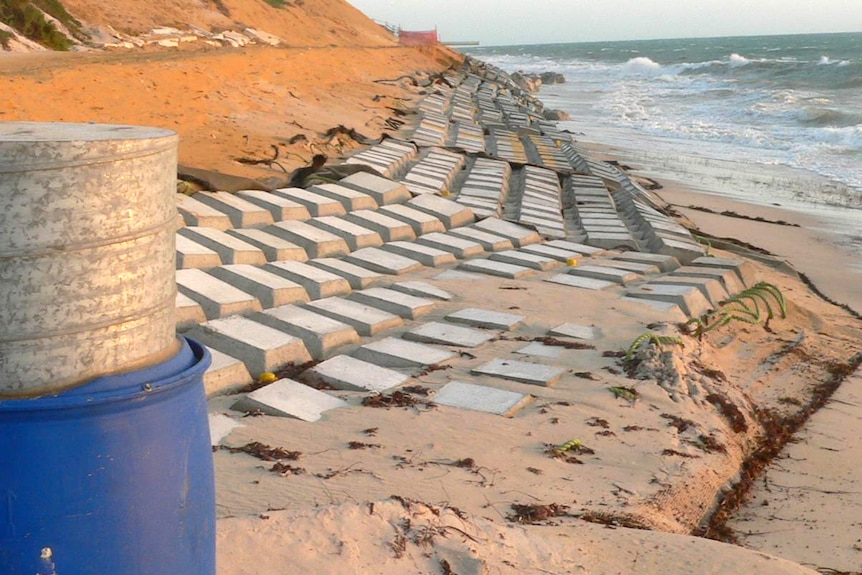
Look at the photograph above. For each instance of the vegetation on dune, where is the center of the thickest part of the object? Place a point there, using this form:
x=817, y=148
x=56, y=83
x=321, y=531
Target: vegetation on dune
x=4, y=39
x=27, y=17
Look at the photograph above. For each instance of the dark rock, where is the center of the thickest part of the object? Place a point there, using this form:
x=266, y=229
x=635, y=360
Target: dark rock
x=552, y=78
x=557, y=115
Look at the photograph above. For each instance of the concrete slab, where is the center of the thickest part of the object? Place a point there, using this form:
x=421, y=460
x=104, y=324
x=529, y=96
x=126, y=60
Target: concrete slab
x=382, y=190
x=351, y=199
x=322, y=335
x=541, y=350
x=576, y=247
x=273, y=247
x=525, y=259
x=270, y=289
x=366, y=320
x=421, y=222
x=421, y=289
x=449, y=334
x=575, y=330
x=522, y=371
x=401, y=304
x=288, y=398
x=743, y=268
x=452, y=214
x=316, y=204
x=618, y=276
x=491, y=242
x=688, y=298
x=217, y=298
x=317, y=282
x=664, y=262
x=385, y=262
x=423, y=254
x=220, y=427
x=390, y=229
x=316, y=242
x=349, y=373
x=188, y=312
x=230, y=249
x=358, y=277
x=197, y=213
x=518, y=235
x=396, y=352
x=487, y=319
x=242, y=213
x=191, y=255
x=481, y=398
x=356, y=236
x=225, y=374
x=280, y=207
x=498, y=269
x=580, y=282
x=460, y=247
x=457, y=275
x=260, y=347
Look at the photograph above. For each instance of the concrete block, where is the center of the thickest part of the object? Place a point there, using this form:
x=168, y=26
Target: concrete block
x=191, y=255
x=356, y=236
x=273, y=247
x=421, y=222
x=637, y=267
x=728, y=278
x=491, y=242
x=664, y=262
x=498, y=269
x=230, y=249
x=709, y=287
x=366, y=320
x=452, y=214
x=743, y=268
x=390, y=229
x=423, y=254
x=481, y=398
x=317, y=282
x=670, y=310
x=448, y=334
x=525, y=259
x=188, y=312
x=260, y=347
x=522, y=371
x=345, y=372
x=519, y=235
x=401, y=304
x=225, y=374
x=396, y=352
x=322, y=335
x=316, y=204
x=382, y=190
x=197, y=213
x=575, y=330
x=220, y=427
x=684, y=251
x=288, y=398
x=270, y=289
x=421, y=289
x=688, y=298
x=358, y=277
x=457, y=275
x=351, y=199
x=541, y=350
x=576, y=247
x=551, y=252
x=580, y=282
x=217, y=298
x=487, y=319
x=280, y=207
x=460, y=247
x=242, y=213
x=316, y=242
x=616, y=275
x=385, y=262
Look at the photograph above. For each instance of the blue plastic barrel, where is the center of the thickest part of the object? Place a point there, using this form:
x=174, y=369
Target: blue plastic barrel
x=114, y=477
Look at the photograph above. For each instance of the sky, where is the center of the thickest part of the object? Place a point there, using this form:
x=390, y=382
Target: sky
x=505, y=22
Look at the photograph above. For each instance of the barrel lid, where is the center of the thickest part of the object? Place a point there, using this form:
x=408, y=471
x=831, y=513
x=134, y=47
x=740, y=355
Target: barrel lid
x=76, y=132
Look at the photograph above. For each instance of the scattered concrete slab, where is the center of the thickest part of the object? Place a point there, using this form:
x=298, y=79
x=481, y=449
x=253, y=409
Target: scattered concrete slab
x=452, y=214
x=421, y=289
x=743, y=268
x=421, y=222
x=538, y=349
x=390, y=229
x=316, y=204
x=491, y=242
x=581, y=282
x=402, y=304
x=385, y=262
x=191, y=254
x=457, y=275
x=188, y=312
x=260, y=347
x=358, y=276
x=423, y=254
x=349, y=373
x=230, y=249
x=280, y=207
x=317, y=242
x=476, y=317
x=522, y=371
x=225, y=374
x=317, y=282
x=242, y=213
x=217, y=298
x=270, y=289
x=273, y=247
x=498, y=269
x=383, y=191
x=322, y=335
x=220, y=427
x=525, y=259
x=396, y=352
x=481, y=398
x=288, y=398
x=688, y=298
x=351, y=199
x=575, y=330
x=616, y=275
x=518, y=235
x=366, y=320
x=449, y=334
x=196, y=213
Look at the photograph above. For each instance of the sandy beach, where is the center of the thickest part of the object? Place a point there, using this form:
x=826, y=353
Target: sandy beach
x=653, y=465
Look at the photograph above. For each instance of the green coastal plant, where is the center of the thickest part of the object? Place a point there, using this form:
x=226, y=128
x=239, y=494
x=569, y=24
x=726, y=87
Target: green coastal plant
x=654, y=339
x=25, y=17
x=744, y=306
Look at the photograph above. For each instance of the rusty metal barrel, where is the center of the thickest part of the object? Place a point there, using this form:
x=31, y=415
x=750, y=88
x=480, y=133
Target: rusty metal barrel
x=87, y=253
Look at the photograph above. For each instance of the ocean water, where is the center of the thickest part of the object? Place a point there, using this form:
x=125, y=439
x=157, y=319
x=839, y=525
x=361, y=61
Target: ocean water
x=792, y=101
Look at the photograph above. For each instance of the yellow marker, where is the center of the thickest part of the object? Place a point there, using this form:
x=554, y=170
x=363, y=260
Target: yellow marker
x=445, y=193
x=571, y=262
x=267, y=377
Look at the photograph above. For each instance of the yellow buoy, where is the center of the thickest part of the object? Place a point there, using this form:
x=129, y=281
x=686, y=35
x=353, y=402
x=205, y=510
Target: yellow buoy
x=267, y=377
x=572, y=262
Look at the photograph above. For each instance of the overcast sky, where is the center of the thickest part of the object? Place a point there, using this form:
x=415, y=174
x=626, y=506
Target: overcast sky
x=502, y=22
